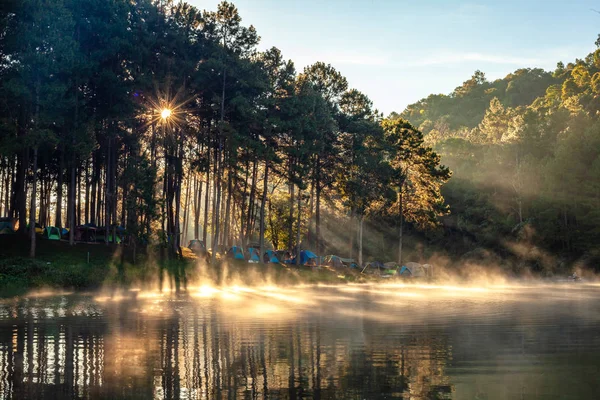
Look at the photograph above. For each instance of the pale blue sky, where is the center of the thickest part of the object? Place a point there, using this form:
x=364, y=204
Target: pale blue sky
x=398, y=52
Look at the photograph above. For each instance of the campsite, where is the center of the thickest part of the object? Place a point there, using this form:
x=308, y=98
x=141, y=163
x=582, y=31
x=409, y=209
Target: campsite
x=93, y=263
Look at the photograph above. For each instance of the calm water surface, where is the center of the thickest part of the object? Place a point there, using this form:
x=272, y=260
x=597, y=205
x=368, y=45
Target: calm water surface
x=346, y=342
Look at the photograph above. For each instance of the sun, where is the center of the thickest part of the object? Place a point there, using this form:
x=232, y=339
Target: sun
x=165, y=113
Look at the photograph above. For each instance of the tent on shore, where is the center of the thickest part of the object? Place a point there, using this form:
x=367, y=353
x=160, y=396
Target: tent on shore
x=334, y=261
x=306, y=257
x=374, y=267
x=271, y=256
x=51, y=233
x=236, y=253
x=415, y=270
x=253, y=255
x=8, y=225
x=85, y=233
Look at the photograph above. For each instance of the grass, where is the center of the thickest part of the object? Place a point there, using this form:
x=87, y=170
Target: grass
x=90, y=266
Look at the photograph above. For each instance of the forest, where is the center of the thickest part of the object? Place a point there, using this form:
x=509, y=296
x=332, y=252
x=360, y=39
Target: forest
x=525, y=156
x=166, y=122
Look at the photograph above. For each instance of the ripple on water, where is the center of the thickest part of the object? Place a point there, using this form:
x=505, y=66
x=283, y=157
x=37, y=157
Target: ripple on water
x=355, y=341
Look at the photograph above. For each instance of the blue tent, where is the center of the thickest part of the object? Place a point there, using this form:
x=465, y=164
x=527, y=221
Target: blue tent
x=305, y=256
x=236, y=252
x=272, y=256
x=253, y=254
x=405, y=271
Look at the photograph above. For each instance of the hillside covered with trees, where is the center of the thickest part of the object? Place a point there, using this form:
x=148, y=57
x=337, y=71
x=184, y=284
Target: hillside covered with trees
x=525, y=156
x=166, y=122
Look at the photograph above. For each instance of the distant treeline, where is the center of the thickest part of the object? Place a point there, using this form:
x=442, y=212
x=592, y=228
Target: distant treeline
x=166, y=120
x=525, y=153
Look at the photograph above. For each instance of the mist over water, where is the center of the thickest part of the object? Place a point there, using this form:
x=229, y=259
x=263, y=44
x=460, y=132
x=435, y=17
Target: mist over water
x=394, y=340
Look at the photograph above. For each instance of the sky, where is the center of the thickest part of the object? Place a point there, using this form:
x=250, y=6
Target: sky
x=399, y=51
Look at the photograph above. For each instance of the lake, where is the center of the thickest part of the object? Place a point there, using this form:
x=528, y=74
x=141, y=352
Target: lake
x=393, y=341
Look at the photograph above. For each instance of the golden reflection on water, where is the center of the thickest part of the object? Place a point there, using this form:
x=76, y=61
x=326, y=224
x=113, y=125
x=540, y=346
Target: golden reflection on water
x=356, y=341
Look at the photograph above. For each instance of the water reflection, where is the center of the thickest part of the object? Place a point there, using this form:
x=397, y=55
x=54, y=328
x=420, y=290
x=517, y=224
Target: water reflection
x=321, y=343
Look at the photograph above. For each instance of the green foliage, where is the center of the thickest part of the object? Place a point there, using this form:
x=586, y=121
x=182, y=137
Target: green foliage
x=527, y=175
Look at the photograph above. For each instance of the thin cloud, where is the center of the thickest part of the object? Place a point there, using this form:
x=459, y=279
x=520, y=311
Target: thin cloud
x=342, y=59
x=460, y=58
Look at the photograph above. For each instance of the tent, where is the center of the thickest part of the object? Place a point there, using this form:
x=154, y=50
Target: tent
x=8, y=226
x=334, y=261
x=253, y=255
x=305, y=257
x=101, y=234
x=349, y=262
x=236, y=253
x=84, y=233
x=51, y=233
x=415, y=270
x=271, y=256
x=38, y=228
x=282, y=255
x=375, y=266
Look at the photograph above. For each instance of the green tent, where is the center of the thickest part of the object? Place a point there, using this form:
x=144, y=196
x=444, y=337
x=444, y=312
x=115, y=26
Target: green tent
x=52, y=233
x=7, y=226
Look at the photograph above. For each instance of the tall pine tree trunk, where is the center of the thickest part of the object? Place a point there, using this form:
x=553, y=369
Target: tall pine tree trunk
x=107, y=196
x=87, y=191
x=33, y=204
x=186, y=214
x=400, y=212
x=206, y=206
x=243, y=205
x=228, y=209
x=216, y=206
x=290, y=243
x=71, y=210
x=198, y=197
x=262, y=212
x=298, y=248
x=21, y=192
x=318, y=246
x=59, y=188
x=251, y=205
x=360, y=239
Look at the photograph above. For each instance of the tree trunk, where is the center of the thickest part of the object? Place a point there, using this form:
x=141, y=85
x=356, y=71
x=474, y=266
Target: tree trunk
x=186, y=214
x=400, y=212
x=206, y=205
x=72, y=207
x=198, y=197
x=95, y=178
x=228, y=209
x=87, y=191
x=107, y=196
x=21, y=193
x=309, y=230
x=291, y=224
x=215, y=244
x=79, y=197
x=360, y=239
x=262, y=213
x=351, y=229
x=59, y=188
x=33, y=204
x=318, y=245
x=179, y=177
x=251, y=205
x=298, y=249
x=243, y=204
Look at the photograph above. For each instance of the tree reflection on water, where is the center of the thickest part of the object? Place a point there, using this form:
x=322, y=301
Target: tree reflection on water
x=75, y=347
